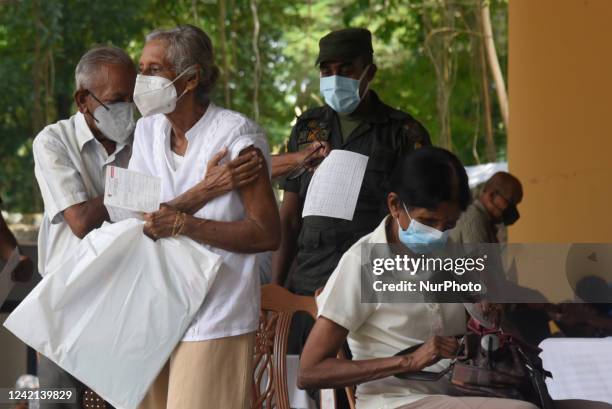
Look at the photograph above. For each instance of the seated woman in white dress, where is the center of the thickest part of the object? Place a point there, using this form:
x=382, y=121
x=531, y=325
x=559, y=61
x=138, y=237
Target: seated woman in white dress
x=429, y=190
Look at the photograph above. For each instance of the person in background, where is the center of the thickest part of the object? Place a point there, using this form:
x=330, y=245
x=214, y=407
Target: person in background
x=180, y=133
x=25, y=269
x=355, y=119
x=497, y=203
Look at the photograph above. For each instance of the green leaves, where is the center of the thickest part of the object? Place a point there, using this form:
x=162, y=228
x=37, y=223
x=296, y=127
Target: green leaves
x=41, y=42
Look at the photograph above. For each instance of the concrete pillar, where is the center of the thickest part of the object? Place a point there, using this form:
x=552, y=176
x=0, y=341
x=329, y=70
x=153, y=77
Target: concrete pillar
x=560, y=132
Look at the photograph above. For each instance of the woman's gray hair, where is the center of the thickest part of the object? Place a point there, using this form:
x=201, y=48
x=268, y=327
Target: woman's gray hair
x=187, y=47
x=94, y=59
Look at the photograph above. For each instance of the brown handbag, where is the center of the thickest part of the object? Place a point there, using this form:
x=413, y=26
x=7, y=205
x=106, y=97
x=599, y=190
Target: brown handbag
x=490, y=363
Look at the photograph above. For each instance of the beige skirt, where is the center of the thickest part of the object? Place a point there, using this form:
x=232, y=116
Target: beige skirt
x=208, y=374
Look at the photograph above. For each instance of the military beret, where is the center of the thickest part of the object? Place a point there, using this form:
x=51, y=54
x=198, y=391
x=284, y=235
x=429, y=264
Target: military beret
x=345, y=45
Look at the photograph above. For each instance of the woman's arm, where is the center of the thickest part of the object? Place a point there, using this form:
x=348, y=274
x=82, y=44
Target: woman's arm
x=219, y=179
x=319, y=367
x=291, y=224
x=259, y=231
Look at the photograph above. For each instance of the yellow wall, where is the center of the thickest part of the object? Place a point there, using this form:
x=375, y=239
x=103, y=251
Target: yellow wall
x=560, y=136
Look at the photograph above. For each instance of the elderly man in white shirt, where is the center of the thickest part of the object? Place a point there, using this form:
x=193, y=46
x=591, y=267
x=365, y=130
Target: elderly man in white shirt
x=70, y=157
x=180, y=132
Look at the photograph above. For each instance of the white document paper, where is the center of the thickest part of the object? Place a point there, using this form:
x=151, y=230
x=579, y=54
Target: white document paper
x=128, y=194
x=581, y=368
x=6, y=283
x=335, y=185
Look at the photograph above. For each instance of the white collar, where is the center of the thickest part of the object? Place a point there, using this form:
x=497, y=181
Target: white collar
x=379, y=235
x=192, y=132
x=84, y=136
x=83, y=133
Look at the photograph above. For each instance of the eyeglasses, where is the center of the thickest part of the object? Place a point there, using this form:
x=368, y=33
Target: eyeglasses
x=100, y=102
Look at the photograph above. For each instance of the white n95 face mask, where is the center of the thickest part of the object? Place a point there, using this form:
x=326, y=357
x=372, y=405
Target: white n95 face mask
x=116, y=121
x=156, y=95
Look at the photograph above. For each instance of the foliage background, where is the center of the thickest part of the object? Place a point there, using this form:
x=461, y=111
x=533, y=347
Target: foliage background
x=266, y=51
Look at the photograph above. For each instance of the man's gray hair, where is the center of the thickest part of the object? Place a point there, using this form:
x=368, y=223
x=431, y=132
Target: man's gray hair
x=91, y=62
x=188, y=47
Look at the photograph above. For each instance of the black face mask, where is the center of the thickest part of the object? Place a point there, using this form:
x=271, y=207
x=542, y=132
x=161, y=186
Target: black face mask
x=510, y=215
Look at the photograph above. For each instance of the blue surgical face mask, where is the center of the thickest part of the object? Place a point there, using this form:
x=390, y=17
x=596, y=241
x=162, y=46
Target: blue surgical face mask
x=342, y=93
x=419, y=237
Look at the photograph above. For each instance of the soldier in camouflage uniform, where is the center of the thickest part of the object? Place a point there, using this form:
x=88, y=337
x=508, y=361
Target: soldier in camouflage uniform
x=358, y=122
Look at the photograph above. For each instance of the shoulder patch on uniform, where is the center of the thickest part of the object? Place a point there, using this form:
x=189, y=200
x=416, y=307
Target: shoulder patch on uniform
x=415, y=132
x=311, y=128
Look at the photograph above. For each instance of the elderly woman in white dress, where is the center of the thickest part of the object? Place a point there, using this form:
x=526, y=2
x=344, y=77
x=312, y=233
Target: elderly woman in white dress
x=182, y=131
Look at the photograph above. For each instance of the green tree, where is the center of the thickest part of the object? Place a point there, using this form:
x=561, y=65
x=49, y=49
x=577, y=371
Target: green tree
x=266, y=52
